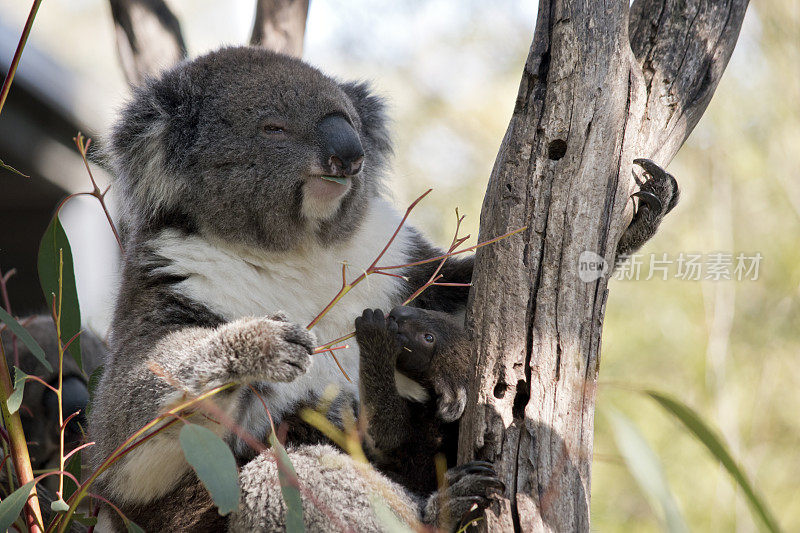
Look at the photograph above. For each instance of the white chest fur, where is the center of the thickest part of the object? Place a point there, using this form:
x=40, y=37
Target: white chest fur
x=235, y=281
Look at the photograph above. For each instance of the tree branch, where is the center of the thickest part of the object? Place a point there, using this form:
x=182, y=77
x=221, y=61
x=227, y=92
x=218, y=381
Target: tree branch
x=280, y=25
x=149, y=37
x=584, y=111
x=682, y=49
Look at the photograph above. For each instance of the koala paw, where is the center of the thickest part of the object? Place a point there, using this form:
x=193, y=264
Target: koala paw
x=469, y=490
x=270, y=348
x=658, y=195
x=452, y=398
x=373, y=329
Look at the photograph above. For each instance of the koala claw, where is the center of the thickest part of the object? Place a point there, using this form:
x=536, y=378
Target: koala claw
x=662, y=186
x=650, y=199
x=469, y=491
x=288, y=348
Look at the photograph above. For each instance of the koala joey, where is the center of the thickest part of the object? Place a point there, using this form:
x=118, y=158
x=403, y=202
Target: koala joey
x=246, y=180
x=413, y=376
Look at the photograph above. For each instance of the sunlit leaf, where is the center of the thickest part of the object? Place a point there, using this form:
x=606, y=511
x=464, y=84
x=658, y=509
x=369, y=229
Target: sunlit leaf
x=646, y=469
x=15, y=400
x=11, y=506
x=692, y=421
x=23, y=335
x=289, y=487
x=59, y=506
x=388, y=520
x=55, y=239
x=214, y=463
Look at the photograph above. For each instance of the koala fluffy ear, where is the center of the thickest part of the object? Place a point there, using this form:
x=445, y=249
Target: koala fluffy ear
x=157, y=127
x=372, y=112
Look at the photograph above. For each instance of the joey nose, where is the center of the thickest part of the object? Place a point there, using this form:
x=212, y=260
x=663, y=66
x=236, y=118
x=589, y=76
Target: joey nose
x=402, y=313
x=342, y=152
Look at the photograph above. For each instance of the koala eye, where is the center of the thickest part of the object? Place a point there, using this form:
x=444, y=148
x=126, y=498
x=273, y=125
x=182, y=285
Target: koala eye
x=429, y=338
x=272, y=128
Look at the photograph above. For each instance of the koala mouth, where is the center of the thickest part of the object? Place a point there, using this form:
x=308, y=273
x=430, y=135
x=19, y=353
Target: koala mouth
x=322, y=195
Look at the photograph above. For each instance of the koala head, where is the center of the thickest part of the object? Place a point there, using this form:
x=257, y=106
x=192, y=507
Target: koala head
x=431, y=343
x=250, y=146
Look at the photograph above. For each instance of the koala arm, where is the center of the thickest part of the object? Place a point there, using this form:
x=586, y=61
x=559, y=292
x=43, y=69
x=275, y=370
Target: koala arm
x=245, y=350
x=137, y=386
x=388, y=414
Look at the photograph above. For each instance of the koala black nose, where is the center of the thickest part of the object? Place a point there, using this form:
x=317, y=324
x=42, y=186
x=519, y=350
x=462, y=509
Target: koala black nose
x=402, y=313
x=342, y=153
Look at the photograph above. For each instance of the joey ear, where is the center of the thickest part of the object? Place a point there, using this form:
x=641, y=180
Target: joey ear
x=372, y=112
x=452, y=399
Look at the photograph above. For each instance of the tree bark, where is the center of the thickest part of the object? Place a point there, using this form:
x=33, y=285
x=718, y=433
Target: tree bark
x=149, y=37
x=588, y=104
x=280, y=25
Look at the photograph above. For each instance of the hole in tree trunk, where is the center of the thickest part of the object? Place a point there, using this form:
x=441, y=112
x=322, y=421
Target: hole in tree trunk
x=500, y=390
x=556, y=149
x=520, y=399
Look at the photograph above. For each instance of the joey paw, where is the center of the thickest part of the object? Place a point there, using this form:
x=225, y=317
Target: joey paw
x=469, y=490
x=372, y=326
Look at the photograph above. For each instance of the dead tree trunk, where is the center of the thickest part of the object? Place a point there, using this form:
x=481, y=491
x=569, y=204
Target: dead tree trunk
x=597, y=91
x=149, y=37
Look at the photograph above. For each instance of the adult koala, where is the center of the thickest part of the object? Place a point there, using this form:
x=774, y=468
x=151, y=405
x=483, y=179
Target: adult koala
x=247, y=179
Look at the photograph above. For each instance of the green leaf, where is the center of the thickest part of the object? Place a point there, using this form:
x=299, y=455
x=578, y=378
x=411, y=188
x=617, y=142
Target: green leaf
x=132, y=527
x=15, y=400
x=335, y=179
x=13, y=504
x=23, y=335
x=59, y=506
x=85, y=519
x=692, y=421
x=388, y=520
x=214, y=463
x=73, y=466
x=55, y=239
x=289, y=487
x=94, y=380
x=646, y=470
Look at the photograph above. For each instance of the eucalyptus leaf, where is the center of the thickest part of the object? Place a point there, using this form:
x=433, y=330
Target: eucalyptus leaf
x=703, y=432
x=15, y=400
x=335, y=179
x=132, y=527
x=53, y=241
x=214, y=464
x=289, y=487
x=12, y=505
x=59, y=506
x=23, y=335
